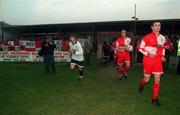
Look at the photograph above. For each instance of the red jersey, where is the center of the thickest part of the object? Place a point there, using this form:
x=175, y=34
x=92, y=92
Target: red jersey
x=38, y=43
x=122, y=42
x=152, y=44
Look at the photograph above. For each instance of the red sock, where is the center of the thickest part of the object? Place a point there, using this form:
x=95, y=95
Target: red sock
x=126, y=69
x=156, y=88
x=120, y=71
x=142, y=82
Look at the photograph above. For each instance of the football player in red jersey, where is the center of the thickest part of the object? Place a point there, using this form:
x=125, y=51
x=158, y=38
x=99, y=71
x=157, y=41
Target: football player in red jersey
x=152, y=46
x=123, y=56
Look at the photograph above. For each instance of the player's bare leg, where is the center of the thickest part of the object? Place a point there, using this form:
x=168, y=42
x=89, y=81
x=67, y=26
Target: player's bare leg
x=145, y=79
x=72, y=66
x=80, y=69
x=120, y=71
x=126, y=69
x=156, y=89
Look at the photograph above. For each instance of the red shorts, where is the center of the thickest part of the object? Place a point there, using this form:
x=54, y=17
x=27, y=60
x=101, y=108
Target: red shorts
x=152, y=66
x=123, y=57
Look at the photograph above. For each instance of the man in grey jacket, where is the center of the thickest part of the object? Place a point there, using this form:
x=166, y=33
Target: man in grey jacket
x=87, y=50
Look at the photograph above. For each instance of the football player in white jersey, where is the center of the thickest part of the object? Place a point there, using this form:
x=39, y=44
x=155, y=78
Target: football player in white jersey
x=77, y=57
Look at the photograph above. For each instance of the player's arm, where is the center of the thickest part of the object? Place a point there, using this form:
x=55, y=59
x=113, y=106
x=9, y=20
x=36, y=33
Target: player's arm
x=142, y=47
x=163, y=48
x=70, y=48
x=118, y=47
x=122, y=47
x=129, y=44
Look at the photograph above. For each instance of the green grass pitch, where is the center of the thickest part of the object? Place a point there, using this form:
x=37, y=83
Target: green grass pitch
x=26, y=90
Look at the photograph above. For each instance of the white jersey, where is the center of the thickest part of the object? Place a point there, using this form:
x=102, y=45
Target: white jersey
x=79, y=54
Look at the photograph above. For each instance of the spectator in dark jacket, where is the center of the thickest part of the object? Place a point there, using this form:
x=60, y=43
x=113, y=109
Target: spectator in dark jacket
x=168, y=50
x=48, y=47
x=106, y=53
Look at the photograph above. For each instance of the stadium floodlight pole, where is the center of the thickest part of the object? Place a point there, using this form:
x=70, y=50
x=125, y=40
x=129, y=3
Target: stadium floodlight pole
x=135, y=19
x=2, y=25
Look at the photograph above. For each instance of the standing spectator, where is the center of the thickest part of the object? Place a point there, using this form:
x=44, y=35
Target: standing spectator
x=105, y=53
x=1, y=47
x=87, y=50
x=112, y=50
x=47, y=49
x=65, y=45
x=168, y=50
x=178, y=54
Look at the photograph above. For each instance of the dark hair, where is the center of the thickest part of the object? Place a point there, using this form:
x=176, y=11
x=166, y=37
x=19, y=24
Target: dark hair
x=73, y=35
x=105, y=42
x=155, y=22
x=124, y=30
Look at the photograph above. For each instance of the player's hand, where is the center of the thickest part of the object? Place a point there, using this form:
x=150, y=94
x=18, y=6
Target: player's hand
x=118, y=49
x=72, y=51
x=121, y=48
x=163, y=59
x=126, y=48
x=151, y=55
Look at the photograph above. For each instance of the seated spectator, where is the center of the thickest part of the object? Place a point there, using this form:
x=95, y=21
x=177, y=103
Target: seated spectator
x=16, y=43
x=5, y=43
x=1, y=47
x=11, y=48
x=22, y=47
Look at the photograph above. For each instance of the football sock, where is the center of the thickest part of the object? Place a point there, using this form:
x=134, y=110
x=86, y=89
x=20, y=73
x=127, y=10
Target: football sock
x=156, y=88
x=142, y=83
x=126, y=69
x=120, y=70
x=81, y=71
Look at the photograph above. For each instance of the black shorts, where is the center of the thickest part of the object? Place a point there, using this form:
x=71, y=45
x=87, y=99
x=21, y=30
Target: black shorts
x=78, y=63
